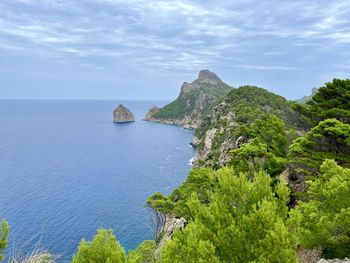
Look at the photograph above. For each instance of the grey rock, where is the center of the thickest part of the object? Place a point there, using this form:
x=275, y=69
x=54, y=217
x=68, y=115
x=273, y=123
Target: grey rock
x=150, y=112
x=196, y=99
x=336, y=260
x=123, y=114
x=171, y=223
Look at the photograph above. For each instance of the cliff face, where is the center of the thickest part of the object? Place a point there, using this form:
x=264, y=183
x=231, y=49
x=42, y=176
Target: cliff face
x=123, y=114
x=196, y=99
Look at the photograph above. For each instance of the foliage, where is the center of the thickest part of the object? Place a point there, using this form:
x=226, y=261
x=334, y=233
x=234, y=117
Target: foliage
x=144, y=253
x=199, y=181
x=325, y=218
x=330, y=139
x=104, y=248
x=245, y=221
x=249, y=156
x=330, y=101
x=4, y=230
x=266, y=150
x=251, y=112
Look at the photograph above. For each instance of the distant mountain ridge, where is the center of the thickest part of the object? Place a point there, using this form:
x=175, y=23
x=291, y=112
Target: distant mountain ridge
x=195, y=100
x=305, y=99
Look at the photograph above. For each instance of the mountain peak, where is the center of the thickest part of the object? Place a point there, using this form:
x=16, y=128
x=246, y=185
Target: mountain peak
x=208, y=75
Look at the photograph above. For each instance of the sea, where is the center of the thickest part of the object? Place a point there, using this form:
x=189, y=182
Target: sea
x=67, y=170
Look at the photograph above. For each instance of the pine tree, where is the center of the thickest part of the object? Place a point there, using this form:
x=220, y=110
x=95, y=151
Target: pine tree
x=325, y=218
x=104, y=248
x=244, y=221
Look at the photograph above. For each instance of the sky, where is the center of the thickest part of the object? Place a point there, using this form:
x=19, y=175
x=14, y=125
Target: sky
x=145, y=49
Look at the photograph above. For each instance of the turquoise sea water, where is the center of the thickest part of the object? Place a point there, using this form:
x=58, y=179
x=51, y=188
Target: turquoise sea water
x=66, y=169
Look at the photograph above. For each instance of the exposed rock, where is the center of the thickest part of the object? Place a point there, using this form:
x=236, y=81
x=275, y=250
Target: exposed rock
x=151, y=111
x=210, y=77
x=195, y=141
x=206, y=151
x=345, y=260
x=195, y=100
x=240, y=140
x=308, y=255
x=225, y=149
x=123, y=114
x=171, y=223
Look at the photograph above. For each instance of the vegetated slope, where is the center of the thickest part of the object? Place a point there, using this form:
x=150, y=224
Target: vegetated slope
x=196, y=99
x=229, y=124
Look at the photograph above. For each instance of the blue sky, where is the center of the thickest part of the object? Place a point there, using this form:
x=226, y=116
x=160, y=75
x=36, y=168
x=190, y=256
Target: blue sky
x=145, y=49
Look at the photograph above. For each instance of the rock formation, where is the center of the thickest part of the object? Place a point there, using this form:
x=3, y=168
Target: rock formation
x=150, y=112
x=123, y=114
x=196, y=99
x=171, y=223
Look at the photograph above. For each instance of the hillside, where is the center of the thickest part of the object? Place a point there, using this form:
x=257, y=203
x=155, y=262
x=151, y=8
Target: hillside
x=225, y=128
x=196, y=99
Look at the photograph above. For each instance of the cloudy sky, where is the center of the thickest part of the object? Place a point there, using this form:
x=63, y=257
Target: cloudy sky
x=145, y=49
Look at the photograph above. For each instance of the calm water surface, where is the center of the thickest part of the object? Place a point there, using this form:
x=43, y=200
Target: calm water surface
x=66, y=169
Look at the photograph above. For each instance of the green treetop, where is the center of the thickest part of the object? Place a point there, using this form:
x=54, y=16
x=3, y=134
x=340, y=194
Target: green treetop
x=104, y=248
x=4, y=230
x=244, y=221
x=325, y=218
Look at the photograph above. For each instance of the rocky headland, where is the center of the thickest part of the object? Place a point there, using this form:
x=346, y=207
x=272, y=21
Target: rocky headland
x=195, y=100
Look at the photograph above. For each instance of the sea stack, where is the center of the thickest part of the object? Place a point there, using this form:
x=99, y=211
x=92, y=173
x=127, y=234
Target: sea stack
x=122, y=114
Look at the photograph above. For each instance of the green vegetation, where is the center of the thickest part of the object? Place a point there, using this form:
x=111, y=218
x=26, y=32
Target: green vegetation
x=245, y=221
x=4, y=230
x=199, y=100
x=266, y=149
x=330, y=139
x=325, y=218
x=104, y=248
x=144, y=253
x=330, y=101
x=251, y=113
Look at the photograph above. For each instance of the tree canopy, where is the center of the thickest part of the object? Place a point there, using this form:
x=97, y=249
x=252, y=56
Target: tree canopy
x=4, y=230
x=245, y=221
x=104, y=248
x=325, y=217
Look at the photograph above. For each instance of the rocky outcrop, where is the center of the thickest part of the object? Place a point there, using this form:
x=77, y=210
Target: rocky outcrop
x=171, y=223
x=206, y=151
x=345, y=260
x=150, y=112
x=195, y=100
x=123, y=114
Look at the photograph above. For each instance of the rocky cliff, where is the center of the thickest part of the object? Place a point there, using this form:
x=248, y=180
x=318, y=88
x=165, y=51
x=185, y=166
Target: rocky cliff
x=196, y=99
x=123, y=114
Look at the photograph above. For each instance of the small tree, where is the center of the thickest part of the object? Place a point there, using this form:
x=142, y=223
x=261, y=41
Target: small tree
x=104, y=248
x=4, y=230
